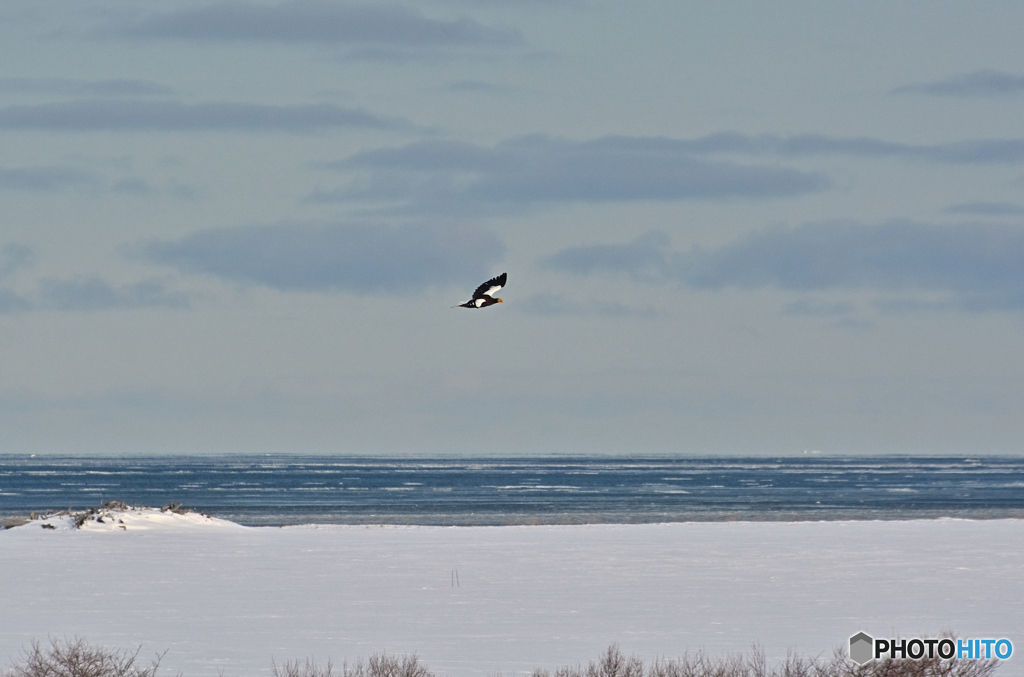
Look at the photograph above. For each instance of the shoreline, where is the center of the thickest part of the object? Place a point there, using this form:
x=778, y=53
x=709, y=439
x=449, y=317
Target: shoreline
x=15, y=521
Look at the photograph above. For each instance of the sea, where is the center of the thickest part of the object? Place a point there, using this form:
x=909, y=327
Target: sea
x=291, y=490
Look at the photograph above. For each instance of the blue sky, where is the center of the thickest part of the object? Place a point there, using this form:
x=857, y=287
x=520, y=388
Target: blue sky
x=735, y=228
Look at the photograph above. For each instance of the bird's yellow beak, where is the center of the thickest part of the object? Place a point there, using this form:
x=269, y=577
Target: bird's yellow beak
x=500, y=301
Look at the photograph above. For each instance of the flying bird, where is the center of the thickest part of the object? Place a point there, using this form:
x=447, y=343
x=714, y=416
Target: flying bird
x=484, y=294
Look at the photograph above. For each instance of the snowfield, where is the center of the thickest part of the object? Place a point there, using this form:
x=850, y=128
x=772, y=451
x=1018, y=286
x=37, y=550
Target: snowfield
x=225, y=599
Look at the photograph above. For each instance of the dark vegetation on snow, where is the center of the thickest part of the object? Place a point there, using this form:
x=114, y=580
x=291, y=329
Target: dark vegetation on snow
x=612, y=663
x=378, y=665
x=77, y=658
x=107, y=511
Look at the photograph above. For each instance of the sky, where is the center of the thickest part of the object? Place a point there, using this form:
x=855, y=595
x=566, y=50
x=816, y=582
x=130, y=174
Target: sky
x=729, y=228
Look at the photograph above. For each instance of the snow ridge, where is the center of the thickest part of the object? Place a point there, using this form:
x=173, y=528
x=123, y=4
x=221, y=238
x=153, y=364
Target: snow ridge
x=117, y=516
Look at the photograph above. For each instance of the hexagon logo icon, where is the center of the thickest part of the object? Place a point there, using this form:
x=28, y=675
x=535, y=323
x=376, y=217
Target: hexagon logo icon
x=861, y=645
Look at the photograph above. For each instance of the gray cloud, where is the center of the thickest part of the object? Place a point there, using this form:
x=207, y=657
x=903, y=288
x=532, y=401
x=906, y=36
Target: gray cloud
x=901, y=306
x=814, y=145
x=986, y=209
x=136, y=115
x=43, y=178
x=93, y=293
x=133, y=186
x=546, y=304
x=647, y=258
x=71, y=87
x=11, y=302
x=979, y=84
x=891, y=256
x=813, y=307
x=329, y=257
x=14, y=256
x=980, y=264
x=579, y=4
x=452, y=177
x=398, y=56
x=971, y=151
x=476, y=86
x=317, y=21
x=82, y=293
x=447, y=176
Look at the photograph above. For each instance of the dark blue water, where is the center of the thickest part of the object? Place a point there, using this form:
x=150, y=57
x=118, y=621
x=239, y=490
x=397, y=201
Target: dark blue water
x=281, y=490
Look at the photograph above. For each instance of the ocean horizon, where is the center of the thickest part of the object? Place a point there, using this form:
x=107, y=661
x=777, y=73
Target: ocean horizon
x=282, y=490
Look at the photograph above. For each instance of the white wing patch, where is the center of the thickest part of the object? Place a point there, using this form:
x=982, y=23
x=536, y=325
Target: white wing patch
x=484, y=294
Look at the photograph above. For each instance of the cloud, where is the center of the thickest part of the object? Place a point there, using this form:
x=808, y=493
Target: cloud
x=812, y=307
x=43, y=178
x=331, y=257
x=892, y=256
x=11, y=302
x=458, y=178
x=557, y=305
x=86, y=292
x=93, y=293
x=579, y=4
x=68, y=86
x=14, y=256
x=90, y=293
x=398, y=56
x=476, y=86
x=981, y=265
x=447, y=176
x=136, y=115
x=317, y=21
x=647, y=258
x=979, y=84
x=133, y=186
x=970, y=151
x=986, y=209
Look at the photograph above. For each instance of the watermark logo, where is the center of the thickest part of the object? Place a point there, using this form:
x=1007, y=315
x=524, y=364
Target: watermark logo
x=864, y=647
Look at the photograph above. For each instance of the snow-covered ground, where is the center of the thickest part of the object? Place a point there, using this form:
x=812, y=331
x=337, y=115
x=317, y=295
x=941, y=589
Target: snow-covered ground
x=224, y=599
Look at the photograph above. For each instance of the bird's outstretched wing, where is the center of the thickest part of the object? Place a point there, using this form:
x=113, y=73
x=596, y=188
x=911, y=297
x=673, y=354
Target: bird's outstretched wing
x=491, y=287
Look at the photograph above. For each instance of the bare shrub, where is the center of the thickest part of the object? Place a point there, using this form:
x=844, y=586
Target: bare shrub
x=378, y=665
x=610, y=664
x=306, y=668
x=383, y=665
x=754, y=664
x=76, y=658
x=613, y=664
x=700, y=664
